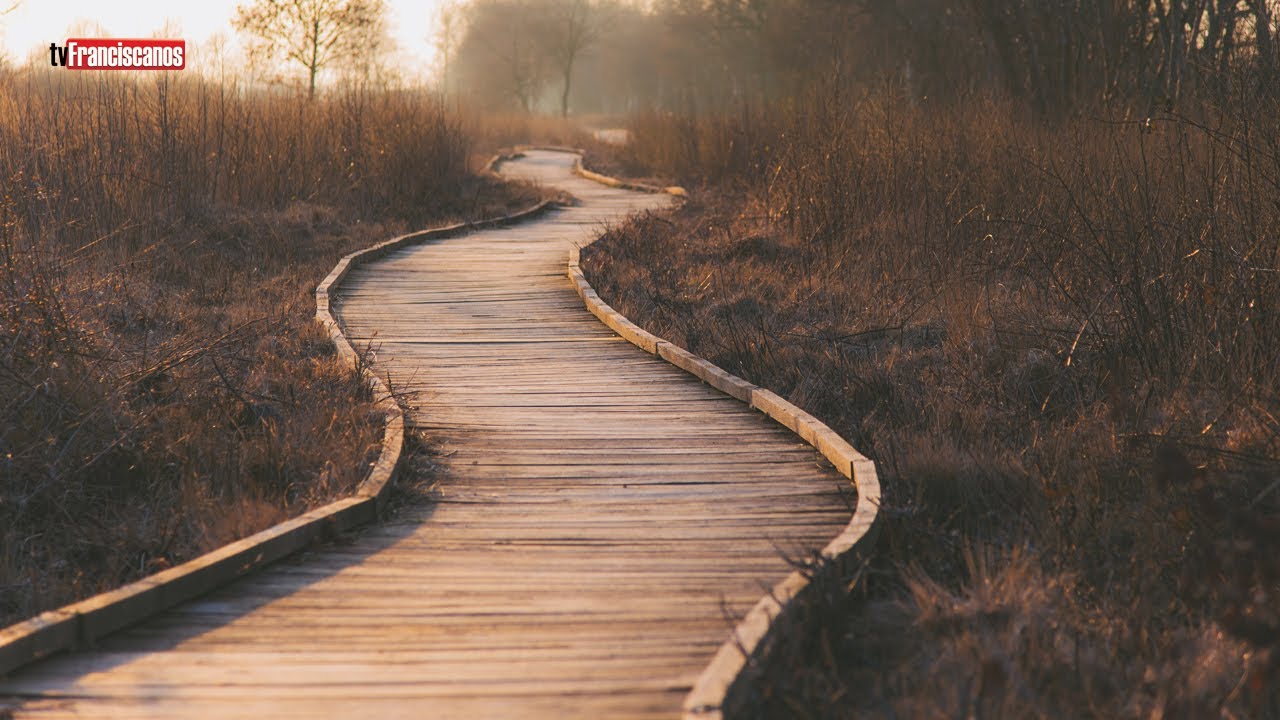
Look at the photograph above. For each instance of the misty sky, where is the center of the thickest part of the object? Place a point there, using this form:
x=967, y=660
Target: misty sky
x=36, y=23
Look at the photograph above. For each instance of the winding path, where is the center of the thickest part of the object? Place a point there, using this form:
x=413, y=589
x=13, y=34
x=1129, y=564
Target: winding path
x=600, y=519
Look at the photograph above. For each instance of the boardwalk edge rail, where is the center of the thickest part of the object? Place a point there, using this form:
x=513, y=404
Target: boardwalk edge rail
x=82, y=623
x=714, y=686
x=580, y=170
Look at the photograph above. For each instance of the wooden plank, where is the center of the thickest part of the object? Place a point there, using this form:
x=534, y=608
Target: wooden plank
x=600, y=517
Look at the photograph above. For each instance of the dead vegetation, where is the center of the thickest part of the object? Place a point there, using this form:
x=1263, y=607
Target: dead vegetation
x=163, y=388
x=1059, y=342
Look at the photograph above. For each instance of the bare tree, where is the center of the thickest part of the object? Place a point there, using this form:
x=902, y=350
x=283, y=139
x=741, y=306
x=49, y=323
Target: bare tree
x=569, y=28
x=312, y=33
x=500, y=58
x=449, y=29
x=1264, y=39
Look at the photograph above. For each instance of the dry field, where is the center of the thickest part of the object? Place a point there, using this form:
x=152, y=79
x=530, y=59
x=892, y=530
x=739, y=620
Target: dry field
x=163, y=389
x=1058, y=340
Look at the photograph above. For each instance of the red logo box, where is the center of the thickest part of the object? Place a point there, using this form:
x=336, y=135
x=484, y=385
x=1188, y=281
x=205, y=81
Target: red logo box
x=123, y=54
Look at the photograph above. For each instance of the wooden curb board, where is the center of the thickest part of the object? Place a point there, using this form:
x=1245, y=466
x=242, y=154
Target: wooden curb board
x=715, y=684
x=80, y=624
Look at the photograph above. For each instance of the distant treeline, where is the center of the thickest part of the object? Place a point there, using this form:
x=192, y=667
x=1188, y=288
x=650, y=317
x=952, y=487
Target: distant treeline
x=609, y=56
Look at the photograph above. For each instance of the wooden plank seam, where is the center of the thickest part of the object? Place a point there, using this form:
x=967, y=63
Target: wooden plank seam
x=82, y=623
x=715, y=685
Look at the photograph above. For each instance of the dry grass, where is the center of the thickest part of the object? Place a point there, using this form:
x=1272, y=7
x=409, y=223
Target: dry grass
x=494, y=131
x=163, y=388
x=1058, y=342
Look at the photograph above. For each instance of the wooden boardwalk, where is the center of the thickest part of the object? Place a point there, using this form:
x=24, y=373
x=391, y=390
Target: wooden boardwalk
x=601, y=518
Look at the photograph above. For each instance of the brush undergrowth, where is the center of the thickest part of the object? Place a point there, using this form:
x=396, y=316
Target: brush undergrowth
x=163, y=387
x=1059, y=342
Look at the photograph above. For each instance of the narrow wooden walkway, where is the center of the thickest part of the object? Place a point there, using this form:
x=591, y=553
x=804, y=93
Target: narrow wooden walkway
x=601, y=516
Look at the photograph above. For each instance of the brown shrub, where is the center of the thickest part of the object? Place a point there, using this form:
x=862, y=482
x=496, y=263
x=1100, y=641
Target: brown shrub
x=163, y=388
x=1055, y=341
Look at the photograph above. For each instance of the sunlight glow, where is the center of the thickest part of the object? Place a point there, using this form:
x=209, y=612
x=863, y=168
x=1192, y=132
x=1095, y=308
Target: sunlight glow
x=28, y=29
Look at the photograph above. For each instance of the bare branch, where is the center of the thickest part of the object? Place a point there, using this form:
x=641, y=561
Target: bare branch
x=313, y=33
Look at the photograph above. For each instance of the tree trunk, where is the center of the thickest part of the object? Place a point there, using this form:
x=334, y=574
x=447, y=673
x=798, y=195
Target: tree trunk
x=1265, y=43
x=314, y=65
x=564, y=95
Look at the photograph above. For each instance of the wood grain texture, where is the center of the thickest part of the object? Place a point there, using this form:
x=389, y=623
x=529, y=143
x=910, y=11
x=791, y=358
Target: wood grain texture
x=602, y=520
x=83, y=623
x=715, y=688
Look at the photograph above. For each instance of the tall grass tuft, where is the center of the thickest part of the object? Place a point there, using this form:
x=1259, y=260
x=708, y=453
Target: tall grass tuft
x=1059, y=341
x=163, y=389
